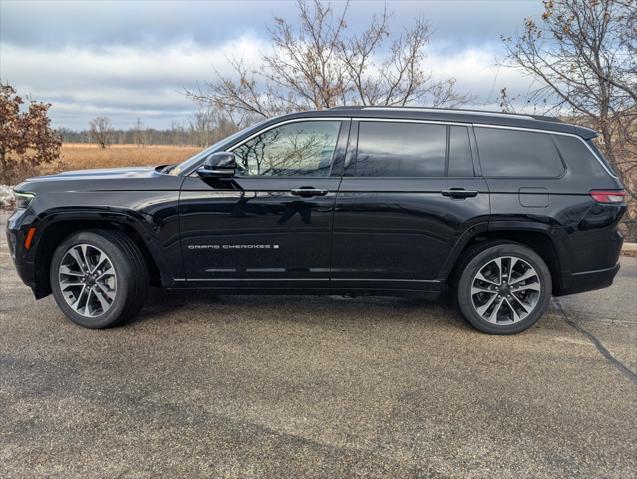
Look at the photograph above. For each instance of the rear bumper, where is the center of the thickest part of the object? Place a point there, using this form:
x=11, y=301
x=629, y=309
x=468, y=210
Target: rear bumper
x=591, y=260
x=587, y=281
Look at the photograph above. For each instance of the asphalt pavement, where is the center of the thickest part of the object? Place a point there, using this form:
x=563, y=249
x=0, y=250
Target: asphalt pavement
x=257, y=387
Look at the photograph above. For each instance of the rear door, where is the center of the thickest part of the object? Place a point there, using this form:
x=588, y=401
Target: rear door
x=271, y=225
x=409, y=191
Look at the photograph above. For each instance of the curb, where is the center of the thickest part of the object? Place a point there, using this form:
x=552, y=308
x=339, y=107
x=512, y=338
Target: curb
x=629, y=249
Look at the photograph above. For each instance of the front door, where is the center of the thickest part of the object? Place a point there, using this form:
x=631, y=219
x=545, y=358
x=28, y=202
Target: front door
x=270, y=226
x=405, y=200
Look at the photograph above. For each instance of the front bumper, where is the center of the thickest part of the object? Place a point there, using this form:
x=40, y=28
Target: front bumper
x=16, y=234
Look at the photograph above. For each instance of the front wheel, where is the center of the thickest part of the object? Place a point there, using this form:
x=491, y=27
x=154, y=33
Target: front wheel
x=504, y=288
x=98, y=278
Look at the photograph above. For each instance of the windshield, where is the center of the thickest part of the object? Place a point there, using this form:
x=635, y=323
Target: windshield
x=219, y=146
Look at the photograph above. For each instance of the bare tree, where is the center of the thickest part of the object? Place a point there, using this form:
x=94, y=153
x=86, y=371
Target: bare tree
x=139, y=134
x=506, y=102
x=201, y=125
x=319, y=66
x=584, y=55
x=208, y=125
x=101, y=131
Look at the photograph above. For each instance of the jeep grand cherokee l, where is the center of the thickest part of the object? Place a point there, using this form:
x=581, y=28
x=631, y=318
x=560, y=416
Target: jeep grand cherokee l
x=502, y=210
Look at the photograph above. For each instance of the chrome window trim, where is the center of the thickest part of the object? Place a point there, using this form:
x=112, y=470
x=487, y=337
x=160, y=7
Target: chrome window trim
x=410, y=120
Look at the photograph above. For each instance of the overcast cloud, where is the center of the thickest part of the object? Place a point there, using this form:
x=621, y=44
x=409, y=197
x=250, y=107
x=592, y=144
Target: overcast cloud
x=134, y=59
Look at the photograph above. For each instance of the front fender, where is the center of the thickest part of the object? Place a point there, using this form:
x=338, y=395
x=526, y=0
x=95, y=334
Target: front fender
x=158, y=233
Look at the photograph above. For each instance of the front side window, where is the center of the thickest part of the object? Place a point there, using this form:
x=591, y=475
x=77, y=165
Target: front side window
x=219, y=146
x=401, y=149
x=515, y=153
x=303, y=148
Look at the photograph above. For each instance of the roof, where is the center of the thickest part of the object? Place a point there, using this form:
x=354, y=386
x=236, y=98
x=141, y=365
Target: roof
x=535, y=122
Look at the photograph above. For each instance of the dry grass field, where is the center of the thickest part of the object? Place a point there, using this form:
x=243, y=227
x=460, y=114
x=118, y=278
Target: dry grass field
x=79, y=156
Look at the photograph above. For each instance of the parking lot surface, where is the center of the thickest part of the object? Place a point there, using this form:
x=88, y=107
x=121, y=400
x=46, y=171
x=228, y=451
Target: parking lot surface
x=246, y=386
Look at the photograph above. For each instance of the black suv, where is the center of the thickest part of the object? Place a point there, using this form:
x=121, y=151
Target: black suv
x=503, y=210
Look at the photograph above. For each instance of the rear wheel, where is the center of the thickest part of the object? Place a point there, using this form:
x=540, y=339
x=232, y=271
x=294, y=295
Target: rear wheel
x=98, y=278
x=504, y=288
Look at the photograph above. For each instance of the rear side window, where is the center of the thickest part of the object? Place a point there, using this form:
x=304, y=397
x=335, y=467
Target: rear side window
x=579, y=159
x=400, y=149
x=460, y=162
x=514, y=153
x=602, y=158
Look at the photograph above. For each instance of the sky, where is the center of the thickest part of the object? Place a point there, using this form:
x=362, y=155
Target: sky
x=134, y=59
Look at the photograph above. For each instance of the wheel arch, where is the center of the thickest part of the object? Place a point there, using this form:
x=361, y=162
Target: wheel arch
x=54, y=229
x=540, y=239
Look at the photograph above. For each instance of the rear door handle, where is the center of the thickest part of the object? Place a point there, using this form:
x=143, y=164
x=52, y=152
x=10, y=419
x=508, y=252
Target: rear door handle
x=459, y=193
x=307, y=192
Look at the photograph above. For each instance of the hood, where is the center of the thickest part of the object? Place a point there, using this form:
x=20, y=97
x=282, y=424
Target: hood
x=128, y=172
x=106, y=179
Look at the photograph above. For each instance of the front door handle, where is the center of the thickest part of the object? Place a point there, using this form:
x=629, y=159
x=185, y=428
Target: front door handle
x=307, y=192
x=459, y=193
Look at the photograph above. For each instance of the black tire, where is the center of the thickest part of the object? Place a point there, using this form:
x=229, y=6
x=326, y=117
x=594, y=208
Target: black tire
x=132, y=276
x=480, y=255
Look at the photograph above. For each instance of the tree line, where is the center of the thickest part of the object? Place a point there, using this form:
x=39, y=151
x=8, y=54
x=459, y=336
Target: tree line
x=204, y=127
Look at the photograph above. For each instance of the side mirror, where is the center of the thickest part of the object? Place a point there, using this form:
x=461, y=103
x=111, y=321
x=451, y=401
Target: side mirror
x=222, y=164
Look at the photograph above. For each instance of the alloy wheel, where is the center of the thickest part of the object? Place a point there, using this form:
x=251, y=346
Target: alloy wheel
x=88, y=280
x=505, y=290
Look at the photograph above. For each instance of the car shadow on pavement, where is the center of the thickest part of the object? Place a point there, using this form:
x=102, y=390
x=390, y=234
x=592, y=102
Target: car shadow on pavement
x=195, y=306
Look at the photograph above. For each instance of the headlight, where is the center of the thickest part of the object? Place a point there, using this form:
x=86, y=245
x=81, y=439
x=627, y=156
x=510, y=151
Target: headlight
x=23, y=200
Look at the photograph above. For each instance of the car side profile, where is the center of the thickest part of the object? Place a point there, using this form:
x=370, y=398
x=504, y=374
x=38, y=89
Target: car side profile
x=501, y=211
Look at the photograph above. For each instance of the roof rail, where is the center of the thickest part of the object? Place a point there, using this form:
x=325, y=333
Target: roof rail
x=451, y=111
x=345, y=107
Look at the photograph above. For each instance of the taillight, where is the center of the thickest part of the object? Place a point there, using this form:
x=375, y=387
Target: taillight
x=602, y=196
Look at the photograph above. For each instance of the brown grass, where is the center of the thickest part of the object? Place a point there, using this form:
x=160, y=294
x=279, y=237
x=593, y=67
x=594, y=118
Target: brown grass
x=79, y=156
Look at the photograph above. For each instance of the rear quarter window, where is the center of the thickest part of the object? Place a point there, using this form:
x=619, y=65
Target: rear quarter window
x=601, y=157
x=516, y=153
x=578, y=157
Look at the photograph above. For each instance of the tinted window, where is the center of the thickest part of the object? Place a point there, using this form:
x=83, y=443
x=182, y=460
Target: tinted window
x=599, y=154
x=219, y=146
x=400, y=149
x=296, y=149
x=579, y=159
x=517, y=153
x=460, y=163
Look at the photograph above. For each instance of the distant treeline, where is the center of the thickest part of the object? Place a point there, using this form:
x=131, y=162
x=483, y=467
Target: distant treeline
x=149, y=136
x=203, y=128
